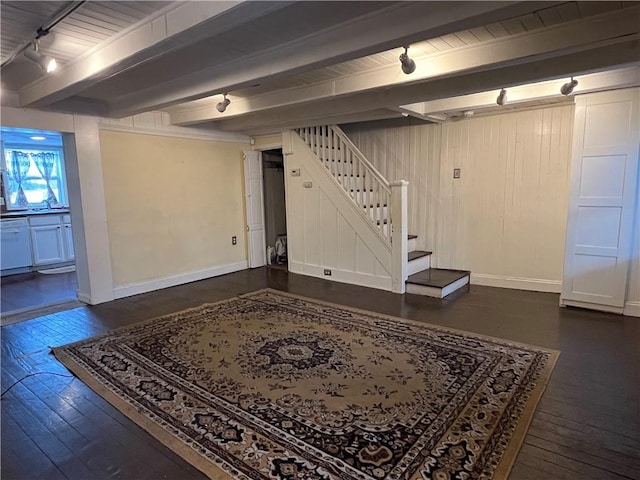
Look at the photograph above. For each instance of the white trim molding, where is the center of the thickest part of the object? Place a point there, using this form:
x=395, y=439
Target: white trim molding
x=165, y=282
x=342, y=276
x=631, y=309
x=518, y=283
x=156, y=123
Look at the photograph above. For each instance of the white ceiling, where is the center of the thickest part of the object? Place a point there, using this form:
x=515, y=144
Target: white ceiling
x=287, y=64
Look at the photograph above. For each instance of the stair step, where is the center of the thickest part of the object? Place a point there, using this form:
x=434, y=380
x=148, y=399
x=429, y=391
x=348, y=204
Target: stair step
x=418, y=260
x=418, y=254
x=411, y=242
x=437, y=282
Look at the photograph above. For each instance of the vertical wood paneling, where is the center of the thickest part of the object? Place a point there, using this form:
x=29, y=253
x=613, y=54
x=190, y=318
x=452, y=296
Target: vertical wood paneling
x=312, y=241
x=328, y=232
x=347, y=242
x=506, y=215
x=406, y=153
x=365, y=260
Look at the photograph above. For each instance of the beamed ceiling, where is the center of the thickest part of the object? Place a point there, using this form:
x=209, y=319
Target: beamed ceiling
x=290, y=64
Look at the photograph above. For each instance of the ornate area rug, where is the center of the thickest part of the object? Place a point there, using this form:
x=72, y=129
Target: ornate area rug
x=274, y=386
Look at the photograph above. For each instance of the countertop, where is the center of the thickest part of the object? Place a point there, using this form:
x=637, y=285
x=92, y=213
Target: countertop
x=29, y=213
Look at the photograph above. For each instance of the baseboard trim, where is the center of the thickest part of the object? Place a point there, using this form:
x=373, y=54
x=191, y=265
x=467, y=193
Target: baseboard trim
x=591, y=306
x=342, y=276
x=631, y=309
x=518, y=283
x=157, y=284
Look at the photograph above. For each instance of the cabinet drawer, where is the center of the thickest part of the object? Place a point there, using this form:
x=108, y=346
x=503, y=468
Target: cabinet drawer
x=40, y=220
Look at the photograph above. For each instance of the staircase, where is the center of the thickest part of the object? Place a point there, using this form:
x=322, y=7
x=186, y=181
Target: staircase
x=384, y=204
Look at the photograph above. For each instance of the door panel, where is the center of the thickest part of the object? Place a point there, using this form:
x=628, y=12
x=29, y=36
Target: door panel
x=601, y=206
x=255, y=208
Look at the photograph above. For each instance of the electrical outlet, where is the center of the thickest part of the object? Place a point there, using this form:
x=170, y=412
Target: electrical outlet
x=327, y=272
x=234, y=240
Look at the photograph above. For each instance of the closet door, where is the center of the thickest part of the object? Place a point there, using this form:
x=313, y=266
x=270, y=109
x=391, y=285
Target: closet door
x=255, y=208
x=604, y=176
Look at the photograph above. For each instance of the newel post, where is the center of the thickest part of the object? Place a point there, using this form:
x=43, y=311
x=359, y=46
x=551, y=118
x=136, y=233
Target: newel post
x=399, y=234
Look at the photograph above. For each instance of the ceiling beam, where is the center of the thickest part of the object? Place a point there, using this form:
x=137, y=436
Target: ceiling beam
x=601, y=58
x=624, y=77
x=179, y=25
x=517, y=49
x=396, y=25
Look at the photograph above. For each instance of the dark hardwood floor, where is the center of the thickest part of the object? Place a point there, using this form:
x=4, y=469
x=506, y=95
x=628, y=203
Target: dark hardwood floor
x=587, y=425
x=35, y=290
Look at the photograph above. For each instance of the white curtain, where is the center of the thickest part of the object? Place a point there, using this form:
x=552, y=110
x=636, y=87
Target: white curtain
x=20, y=163
x=45, y=162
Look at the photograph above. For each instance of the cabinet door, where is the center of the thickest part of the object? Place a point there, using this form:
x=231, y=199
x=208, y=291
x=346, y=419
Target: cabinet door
x=48, y=246
x=68, y=242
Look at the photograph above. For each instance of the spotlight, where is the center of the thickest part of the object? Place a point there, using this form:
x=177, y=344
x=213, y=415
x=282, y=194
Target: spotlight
x=408, y=65
x=46, y=63
x=502, y=98
x=222, y=106
x=568, y=87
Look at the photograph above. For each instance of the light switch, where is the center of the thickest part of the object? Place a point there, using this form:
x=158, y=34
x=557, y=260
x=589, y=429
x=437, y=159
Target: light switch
x=295, y=172
x=456, y=173
x=307, y=184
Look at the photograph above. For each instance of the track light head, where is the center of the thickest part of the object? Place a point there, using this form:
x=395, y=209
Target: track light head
x=222, y=106
x=502, y=97
x=408, y=65
x=46, y=63
x=568, y=87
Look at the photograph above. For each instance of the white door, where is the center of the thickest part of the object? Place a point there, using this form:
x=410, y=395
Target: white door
x=255, y=208
x=604, y=180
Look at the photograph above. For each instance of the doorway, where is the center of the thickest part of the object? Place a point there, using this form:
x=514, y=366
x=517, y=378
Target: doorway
x=38, y=260
x=275, y=214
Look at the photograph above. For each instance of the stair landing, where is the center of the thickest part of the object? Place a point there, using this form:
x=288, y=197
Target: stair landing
x=437, y=282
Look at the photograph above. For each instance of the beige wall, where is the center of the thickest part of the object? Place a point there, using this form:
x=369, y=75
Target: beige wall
x=505, y=218
x=172, y=205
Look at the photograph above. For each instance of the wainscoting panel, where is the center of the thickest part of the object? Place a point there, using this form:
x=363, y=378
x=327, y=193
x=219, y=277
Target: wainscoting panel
x=326, y=230
x=505, y=217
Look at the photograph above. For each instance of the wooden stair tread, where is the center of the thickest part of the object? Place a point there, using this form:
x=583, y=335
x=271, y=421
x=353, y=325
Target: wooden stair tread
x=417, y=254
x=437, y=277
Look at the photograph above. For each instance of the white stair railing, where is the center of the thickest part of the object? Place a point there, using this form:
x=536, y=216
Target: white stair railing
x=354, y=173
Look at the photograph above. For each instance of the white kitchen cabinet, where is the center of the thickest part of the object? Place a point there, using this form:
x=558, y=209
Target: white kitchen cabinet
x=51, y=239
x=48, y=244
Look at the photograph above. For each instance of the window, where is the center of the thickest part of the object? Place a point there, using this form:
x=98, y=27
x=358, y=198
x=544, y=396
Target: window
x=34, y=177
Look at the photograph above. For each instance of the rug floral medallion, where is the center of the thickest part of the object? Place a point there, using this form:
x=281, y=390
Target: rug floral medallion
x=274, y=386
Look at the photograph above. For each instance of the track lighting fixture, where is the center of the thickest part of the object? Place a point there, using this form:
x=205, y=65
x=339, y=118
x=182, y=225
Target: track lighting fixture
x=502, y=97
x=222, y=106
x=408, y=65
x=568, y=87
x=46, y=63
